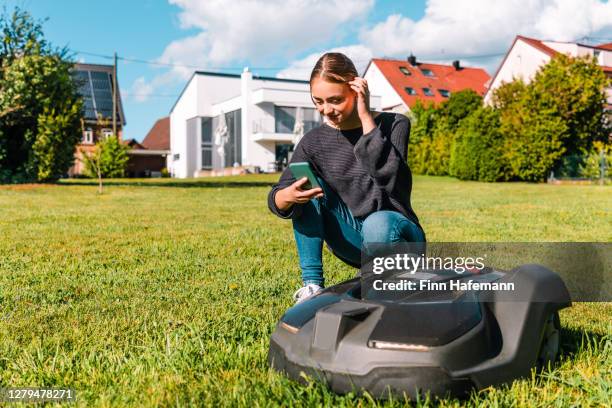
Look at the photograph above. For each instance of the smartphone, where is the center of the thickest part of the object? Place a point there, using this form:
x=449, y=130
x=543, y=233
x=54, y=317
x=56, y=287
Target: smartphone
x=302, y=169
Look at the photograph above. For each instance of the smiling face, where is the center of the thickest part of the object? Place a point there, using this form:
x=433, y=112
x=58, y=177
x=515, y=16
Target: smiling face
x=333, y=100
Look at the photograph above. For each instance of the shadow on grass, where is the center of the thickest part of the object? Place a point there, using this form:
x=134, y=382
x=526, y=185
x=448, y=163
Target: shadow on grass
x=573, y=341
x=185, y=184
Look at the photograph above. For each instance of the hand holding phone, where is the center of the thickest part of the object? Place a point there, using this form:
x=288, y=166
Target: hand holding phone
x=301, y=191
x=302, y=169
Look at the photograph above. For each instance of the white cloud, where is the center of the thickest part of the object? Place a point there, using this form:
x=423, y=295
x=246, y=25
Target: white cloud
x=140, y=90
x=261, y=32
x=251, y=32
x=257, y=30
x=302, y=68
x=465, y=28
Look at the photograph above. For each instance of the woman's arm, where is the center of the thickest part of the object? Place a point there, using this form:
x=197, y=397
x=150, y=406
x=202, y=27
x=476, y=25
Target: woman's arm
x=383, y=156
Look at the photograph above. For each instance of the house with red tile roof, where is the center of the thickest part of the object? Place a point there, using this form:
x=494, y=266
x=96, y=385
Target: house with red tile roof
x=401, y=83
x=526, y=55
x=95, y=85
x=150, y=156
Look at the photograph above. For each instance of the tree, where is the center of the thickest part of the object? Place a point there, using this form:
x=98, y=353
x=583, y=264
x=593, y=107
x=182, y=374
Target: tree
x=598, y=163
x=560, y=113
x=40, y=107
x=459, y=106
x=477, y=152
x=108, y=159
x=434, y=132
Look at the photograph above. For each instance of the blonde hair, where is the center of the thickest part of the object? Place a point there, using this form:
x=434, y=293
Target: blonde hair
x=334, y=67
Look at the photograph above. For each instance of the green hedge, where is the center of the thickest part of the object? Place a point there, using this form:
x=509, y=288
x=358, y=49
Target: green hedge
x=529, y=130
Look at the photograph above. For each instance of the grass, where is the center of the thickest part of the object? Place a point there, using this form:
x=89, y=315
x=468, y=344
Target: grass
x=165, y=292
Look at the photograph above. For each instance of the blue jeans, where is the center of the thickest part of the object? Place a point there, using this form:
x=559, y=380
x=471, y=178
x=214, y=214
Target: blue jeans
x=329, y=219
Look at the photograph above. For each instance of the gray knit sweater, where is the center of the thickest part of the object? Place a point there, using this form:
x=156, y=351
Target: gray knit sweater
x=369, y=172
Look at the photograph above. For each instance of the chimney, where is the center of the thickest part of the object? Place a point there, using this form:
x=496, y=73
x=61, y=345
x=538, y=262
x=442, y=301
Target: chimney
x=412, y=60
x=457, y=65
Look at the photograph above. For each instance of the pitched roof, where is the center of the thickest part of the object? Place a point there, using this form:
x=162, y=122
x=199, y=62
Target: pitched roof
x=607, y=46
x=536, y=44
x=95, y=83
x=551, y=52
x=158, y=137
x=133, y=143
x=444, y=77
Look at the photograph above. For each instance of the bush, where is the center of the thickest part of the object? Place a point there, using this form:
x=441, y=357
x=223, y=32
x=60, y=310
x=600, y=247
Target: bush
x=559, y=114
x=478, y=151
x=108, y=160
x=593, y=162
x=434, y=132
x=40, y=107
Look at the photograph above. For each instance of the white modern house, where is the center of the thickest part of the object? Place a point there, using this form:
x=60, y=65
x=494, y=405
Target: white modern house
x=527, y=55
x=230, y=120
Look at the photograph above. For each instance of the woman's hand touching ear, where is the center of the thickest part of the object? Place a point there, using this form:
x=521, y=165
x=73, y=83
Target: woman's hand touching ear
x=360, y=87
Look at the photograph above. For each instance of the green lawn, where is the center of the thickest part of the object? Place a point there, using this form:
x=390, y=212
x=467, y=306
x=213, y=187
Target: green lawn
x=165, y=292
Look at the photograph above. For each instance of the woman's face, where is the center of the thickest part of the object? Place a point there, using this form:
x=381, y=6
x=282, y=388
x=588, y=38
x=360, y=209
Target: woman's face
x=332, y=100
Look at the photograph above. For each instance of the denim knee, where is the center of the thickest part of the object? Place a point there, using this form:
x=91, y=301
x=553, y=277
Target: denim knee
x=381, y=227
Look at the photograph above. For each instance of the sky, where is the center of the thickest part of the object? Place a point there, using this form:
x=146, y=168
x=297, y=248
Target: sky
x=161, y=42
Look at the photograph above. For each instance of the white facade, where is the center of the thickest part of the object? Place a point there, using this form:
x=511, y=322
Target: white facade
x=524, y=59
x=260, y=110
x=389, y=99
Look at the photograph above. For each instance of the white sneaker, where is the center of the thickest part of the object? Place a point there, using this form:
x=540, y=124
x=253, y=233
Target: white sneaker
x=306, y=292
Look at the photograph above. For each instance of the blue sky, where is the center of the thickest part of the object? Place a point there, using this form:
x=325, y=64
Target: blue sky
x=284, y=38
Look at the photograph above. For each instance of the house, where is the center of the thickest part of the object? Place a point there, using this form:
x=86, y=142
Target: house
x=259, y=114
x=150, y=157
x=527, y=55
x=95, y=85
x=401, y=84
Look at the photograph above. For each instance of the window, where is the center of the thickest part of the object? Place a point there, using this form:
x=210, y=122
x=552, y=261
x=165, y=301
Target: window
x=444, y=92
x=176, y=156
x=284, y=119
x=233, y=147
x=410, y=91
x=106, y=133
x=312, y=118
x=405, y=71
x=428, y=92
x=207, y=143
x=427, y=72
x=88, y=136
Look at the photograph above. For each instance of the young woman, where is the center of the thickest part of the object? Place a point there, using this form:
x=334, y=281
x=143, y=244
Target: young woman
x=359, y=158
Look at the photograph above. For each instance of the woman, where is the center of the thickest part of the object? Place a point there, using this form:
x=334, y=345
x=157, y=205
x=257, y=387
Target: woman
x=359, y=158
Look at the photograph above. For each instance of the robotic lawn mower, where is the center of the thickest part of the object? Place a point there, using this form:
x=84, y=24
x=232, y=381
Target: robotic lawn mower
x=445, y=342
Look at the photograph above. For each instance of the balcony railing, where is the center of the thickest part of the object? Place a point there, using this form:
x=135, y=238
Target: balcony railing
x=281, y=126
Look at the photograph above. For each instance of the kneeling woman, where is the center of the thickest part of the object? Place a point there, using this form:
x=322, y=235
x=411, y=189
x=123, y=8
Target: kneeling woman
x=359, y=158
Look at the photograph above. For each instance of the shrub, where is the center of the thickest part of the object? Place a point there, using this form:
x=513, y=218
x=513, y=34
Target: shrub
x=40, y=106
x=559, y=114
x=593, y=162
x=434, y=132
x=108, y=160
x=477, y=152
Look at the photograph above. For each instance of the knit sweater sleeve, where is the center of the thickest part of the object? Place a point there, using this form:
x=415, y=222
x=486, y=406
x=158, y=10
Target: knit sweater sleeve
x=286, y=179
x=383, y=156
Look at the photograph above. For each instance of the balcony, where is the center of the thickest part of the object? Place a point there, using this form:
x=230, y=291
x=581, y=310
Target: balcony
x=280, y=130
x=291, y=97
x=265, y=130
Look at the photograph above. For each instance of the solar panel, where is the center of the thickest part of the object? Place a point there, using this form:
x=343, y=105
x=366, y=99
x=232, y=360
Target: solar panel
x=96, y=89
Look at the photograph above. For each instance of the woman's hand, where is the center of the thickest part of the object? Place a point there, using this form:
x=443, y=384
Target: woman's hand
x=360, y=87
x=294, y=194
